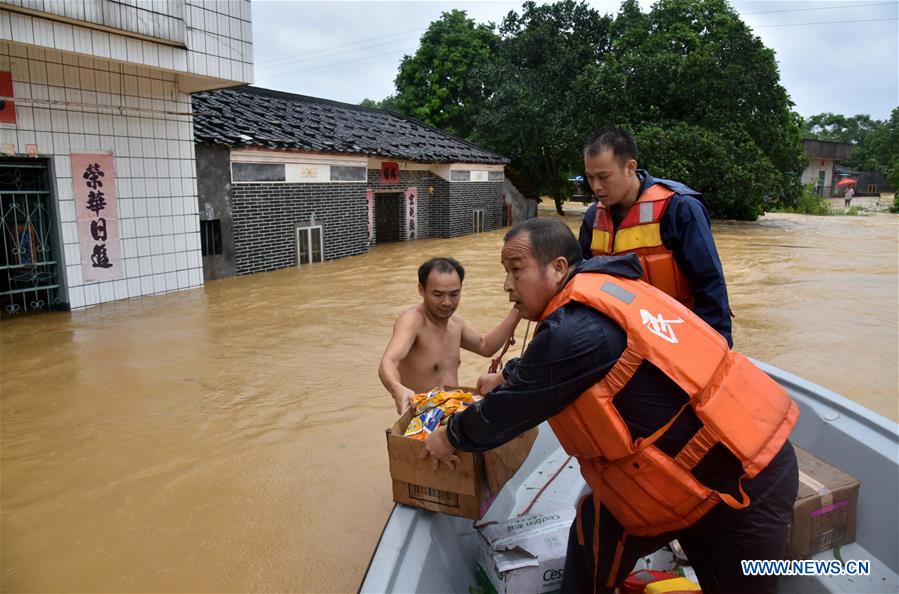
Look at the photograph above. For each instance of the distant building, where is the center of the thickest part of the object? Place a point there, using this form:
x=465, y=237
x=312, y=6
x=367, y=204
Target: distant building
x=871, y=183
x=819, y=172
x=97, y=170
x=287, y=180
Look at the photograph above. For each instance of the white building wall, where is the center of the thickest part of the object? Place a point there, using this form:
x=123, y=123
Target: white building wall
x=812, y=171
x=80, y=89
x=219, y=38
x=139, y=115
x=218, y=50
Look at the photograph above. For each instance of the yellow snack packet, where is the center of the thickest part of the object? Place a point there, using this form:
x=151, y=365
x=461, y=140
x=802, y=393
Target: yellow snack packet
x=415, y=428
x=436, y=397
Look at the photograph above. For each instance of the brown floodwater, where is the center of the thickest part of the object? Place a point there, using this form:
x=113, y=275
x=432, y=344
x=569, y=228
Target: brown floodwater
x=230, y=438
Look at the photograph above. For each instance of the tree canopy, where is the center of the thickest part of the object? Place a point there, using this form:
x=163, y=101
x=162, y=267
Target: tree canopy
x=699, y=91
x=440, y=84
x=535, y=113
x=702, y=95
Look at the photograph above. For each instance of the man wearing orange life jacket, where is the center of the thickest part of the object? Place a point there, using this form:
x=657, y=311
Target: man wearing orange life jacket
x=660, y=220
x=676, y=435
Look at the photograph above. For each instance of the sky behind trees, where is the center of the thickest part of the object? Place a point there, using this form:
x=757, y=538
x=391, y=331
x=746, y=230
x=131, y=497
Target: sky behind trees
x=835, y=56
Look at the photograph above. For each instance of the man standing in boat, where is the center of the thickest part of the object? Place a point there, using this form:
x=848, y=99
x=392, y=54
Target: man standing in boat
x=676, y=435
x=660, y=220
x=424, y=349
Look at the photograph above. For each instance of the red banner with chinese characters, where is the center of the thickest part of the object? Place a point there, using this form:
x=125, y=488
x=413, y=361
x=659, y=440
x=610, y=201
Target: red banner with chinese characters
x=7, y=106
x=97, y=214
x=390, y=172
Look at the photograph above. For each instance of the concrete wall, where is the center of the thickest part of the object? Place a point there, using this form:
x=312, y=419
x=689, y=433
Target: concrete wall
x=214, y=195
x=522, y=208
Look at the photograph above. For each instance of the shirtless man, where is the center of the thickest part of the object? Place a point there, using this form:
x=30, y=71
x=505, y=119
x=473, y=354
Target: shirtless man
x=424, y=349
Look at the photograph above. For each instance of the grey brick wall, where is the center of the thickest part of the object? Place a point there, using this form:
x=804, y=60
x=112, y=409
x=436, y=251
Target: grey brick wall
x=266, y=215
x=440, y=208
x=465, y=198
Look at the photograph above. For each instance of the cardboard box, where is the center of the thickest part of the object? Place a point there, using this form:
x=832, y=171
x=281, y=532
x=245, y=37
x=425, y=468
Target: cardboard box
x=824, y=514
x=466, y=491
x=524, y=555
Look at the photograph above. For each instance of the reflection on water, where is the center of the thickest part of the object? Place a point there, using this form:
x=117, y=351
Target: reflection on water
x=231, y=438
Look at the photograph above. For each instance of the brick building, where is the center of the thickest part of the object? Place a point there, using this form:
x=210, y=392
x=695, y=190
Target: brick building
x=286, y=179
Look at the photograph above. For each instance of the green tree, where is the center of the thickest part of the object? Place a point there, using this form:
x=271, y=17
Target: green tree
x=534, y=114
x=879, y=149
x=385, y=103
x=439, y=85
x=838, y=128
x=703, y=97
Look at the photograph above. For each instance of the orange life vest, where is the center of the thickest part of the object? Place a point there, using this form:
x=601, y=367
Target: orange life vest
x=639, y=232
x=740, y=407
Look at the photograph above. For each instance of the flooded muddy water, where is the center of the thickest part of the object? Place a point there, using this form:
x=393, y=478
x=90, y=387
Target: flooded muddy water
x=231, y=438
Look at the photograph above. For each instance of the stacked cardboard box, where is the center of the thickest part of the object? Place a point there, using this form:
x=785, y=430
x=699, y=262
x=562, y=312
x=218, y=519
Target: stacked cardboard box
x=824, y=514
x=466, y=491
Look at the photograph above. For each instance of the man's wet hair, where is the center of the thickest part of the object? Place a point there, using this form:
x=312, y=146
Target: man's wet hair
x=446, y=265
x=550, y=238
x=617, y=140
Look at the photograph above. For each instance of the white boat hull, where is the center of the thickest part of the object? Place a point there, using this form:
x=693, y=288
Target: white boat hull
x=421, y=551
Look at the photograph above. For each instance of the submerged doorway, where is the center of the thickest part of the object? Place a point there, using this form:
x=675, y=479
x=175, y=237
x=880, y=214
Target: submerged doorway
x=388, y=217
x=29, y=262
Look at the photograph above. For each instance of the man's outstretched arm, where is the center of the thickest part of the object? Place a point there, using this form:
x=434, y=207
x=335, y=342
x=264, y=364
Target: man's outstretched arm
x=488, y=344
x=404, y=330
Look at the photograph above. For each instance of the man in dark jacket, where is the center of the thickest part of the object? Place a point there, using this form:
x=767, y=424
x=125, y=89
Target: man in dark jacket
x=610, y=167
x=573, y=348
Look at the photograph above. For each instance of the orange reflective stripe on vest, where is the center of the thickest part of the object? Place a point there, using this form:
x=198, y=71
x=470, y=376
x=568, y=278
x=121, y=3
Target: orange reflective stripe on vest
x=640, y=233
x=740, y=407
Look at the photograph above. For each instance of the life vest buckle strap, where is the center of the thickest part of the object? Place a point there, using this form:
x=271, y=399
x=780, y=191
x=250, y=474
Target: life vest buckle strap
x=731, y=501
x=695, y=449
x=643, y=443
x=622, y=372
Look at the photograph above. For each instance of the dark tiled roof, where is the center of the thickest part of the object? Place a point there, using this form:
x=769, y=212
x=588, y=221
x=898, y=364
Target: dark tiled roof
x=248, y=116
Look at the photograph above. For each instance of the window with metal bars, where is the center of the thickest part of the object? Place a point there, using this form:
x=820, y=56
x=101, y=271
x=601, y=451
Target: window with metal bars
x=477, y=221
x=211, y=237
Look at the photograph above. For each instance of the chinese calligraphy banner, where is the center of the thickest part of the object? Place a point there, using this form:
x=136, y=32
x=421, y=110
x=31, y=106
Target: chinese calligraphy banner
x=411, y=196
x=97, y=214
x=370, y=205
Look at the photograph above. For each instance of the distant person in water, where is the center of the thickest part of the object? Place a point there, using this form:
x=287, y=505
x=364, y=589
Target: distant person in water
x=424, y=349
x=847, y=197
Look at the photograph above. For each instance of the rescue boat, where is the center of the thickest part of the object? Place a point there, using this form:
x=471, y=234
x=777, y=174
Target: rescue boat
x=423, y=551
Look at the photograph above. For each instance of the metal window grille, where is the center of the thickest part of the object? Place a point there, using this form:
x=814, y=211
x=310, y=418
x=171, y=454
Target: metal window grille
x=477, y=220
x=211, y=237
x=29, y=266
